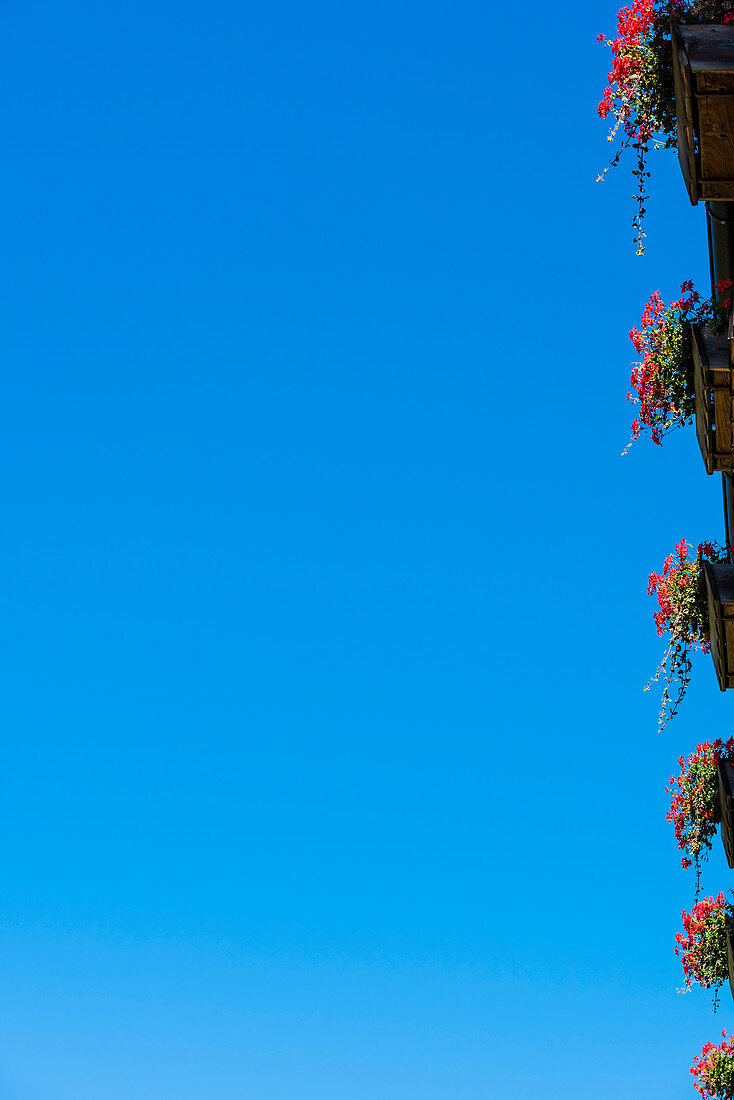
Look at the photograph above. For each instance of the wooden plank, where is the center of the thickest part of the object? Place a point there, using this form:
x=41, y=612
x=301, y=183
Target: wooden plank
x=719, y=84
x=729, y=650
x=724, y=586
x=715, y=632
x=716, y=136
x=725, y=776
x=729, y=490
x=722, y=420
x=721, y=191
x=684, y=114
x=709, y=49
x=703, y=413
x=704, y=443
x=717, y=357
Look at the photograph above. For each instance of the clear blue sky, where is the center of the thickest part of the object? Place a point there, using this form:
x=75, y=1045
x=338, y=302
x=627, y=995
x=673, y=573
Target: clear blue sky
x=327, y=773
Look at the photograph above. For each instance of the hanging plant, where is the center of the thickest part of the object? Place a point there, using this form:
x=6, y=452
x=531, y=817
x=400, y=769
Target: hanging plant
x=663, y=381
x=714, y=1070
x=683, y=615
x=695, y=809
x=702, y=950
x=640, y=96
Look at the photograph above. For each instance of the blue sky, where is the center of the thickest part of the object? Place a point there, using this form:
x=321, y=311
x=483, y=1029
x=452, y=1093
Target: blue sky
x=327, y=771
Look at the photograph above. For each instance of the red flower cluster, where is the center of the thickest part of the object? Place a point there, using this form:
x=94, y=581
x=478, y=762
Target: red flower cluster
x=694, y=809
x=681, y=573
x=702, y=949
x=633, y=28
x=640, y=94
x=714, y=1069
x=663, y=381
x=683, y=614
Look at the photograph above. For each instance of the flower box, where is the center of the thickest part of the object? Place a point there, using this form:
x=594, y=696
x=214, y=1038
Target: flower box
x=720, y=599
x=725, y=775
x=703, y=72
x=713, y=385
x=728, y=485
x=730, y=951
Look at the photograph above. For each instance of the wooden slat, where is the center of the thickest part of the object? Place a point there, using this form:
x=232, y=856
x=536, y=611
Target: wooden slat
x=711, y=192
x=722, y=419
x=717, y=85
x=725, y=776
x=730, y=950
x=704, y=428
x=703, y=431
x=729, y=650
x=725, y=586
x=715, y=132
x=709, y=49
x=715, y=630
x=728, y=487
x=717, y=356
